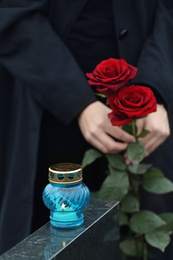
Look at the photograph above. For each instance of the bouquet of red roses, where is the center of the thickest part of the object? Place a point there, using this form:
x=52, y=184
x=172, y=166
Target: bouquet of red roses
x=123, y=182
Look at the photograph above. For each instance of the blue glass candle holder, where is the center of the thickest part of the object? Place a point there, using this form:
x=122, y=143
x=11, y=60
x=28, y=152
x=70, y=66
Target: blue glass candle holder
x=66, y=195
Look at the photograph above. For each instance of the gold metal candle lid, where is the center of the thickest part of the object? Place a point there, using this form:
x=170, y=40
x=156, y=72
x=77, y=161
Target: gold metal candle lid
x=65, y=173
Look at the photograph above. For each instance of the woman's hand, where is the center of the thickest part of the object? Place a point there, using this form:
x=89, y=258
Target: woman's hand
x=98, y=130
x=158, y=125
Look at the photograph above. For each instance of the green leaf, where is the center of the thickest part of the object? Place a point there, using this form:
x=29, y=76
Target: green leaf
x=152, y=173
x=90, y=156
x=100, y=95
x=143, y=133
x=168, y=218
x=130, y=204
x=115, y=186
x=123, y=219
x=128, y=128
x=158, y=239
x=137, y=180
x=117, y=161
x=158, y=185
x=136, y=152
x=139, y=168
x=113, y=171
x=130, y=246
x=145, y=221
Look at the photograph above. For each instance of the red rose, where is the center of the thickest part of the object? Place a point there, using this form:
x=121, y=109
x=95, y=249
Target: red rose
x=110, y=75
x=131, y=103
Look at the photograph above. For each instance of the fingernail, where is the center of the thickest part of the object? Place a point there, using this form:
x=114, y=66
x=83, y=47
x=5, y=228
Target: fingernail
x=133, y=163
x=125, y=155
x=146, y=153
x=127, y=161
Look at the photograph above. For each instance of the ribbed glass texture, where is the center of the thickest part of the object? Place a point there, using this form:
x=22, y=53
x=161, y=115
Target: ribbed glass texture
x=66, y=203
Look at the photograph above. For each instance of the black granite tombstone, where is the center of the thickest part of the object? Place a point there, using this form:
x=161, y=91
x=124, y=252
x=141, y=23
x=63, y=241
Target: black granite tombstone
x=97, y=239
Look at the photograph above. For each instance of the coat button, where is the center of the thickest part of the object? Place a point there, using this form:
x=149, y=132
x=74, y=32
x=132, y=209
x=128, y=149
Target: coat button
x=123, y=33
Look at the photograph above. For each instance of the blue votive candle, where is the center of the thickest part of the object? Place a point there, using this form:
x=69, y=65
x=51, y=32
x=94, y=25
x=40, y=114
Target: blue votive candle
x=66, y=195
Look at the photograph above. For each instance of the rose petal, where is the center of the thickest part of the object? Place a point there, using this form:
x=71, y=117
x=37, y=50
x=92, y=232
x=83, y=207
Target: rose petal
x=111, y=73
x=131, y=103
x=119, y=121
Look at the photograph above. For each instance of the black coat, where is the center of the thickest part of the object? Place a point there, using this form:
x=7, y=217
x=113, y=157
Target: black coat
x=39, y=73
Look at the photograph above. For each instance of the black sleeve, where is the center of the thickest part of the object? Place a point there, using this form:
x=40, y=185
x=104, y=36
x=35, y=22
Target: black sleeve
x=32, y=51
x=155, y=66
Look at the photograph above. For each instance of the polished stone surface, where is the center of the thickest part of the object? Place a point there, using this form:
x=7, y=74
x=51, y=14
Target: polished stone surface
x=97, y=239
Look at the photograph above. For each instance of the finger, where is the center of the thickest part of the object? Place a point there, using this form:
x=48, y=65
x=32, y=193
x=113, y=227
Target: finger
x=120, y=134
x=110, y=145
x=106, y=144
x=127, y=161
x=152, y=141
x=140, y=125
x=152, y=144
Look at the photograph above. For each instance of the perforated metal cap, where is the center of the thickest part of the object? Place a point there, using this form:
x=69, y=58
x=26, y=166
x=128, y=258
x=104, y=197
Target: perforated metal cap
x=65, y=173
